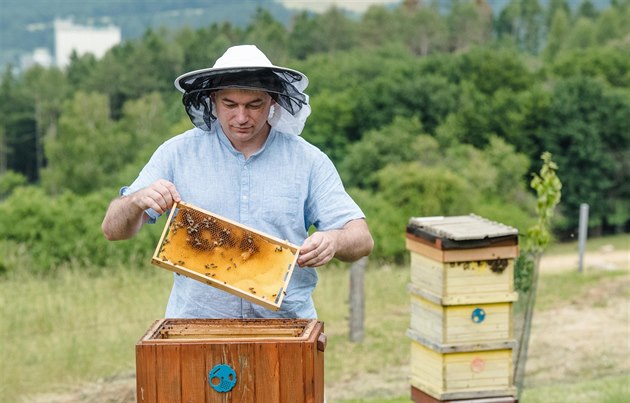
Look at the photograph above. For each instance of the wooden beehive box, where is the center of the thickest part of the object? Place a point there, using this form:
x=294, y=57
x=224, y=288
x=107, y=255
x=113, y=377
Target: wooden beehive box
x=452, y=324
x=231, y=360
x=462, y=259
x=462, y=372
x=227, y=255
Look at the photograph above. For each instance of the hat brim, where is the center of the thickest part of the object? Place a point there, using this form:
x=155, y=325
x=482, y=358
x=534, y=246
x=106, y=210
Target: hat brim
x=211, y=71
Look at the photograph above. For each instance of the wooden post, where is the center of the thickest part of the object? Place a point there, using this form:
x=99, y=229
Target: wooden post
x=357, y=299
x=582, y=233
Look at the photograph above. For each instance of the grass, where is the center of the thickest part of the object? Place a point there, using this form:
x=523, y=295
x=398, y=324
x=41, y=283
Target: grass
x=554, y=289
x=613, y=389
x=76, y=327
x=386, y=321
x=618, y=242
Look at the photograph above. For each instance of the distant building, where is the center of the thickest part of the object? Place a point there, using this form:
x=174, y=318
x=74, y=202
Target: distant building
x=40, y=57
x=82, y=39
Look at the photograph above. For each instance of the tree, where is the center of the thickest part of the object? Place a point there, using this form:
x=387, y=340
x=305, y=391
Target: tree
x=330, y=31
x=405, y=90
x=585, y=130
x=48, y=88
x=586, y=10
x=269, y=35
x=582, y=35
x=558, y=33
x=201, y=47
x=87, y=152
x=468, y=25
x=426, y=31
x=607, y=63
x=303, y=36
x=18, y=127
x=608, y=27
x=331, y=121
x=380, y=26
x=553, y=8
x=135, y=68
x=378, y=148
x=523, y=20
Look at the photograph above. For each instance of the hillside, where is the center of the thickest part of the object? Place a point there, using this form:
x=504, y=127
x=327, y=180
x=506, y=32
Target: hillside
x=26, y=25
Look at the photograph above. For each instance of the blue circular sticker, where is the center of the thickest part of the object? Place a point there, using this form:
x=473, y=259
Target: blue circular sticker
x=478, y=315
x=222, y=378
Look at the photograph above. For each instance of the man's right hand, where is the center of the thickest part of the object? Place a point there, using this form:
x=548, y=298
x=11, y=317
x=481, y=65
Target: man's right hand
x=159, y=196
x=126, y=215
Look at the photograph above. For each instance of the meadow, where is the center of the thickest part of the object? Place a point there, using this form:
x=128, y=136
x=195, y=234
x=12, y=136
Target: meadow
x=67, y=332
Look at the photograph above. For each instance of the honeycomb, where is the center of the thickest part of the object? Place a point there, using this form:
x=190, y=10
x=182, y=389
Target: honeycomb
x=226, y=254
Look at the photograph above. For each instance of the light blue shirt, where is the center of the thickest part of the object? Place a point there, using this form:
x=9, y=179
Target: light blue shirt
x=284, y=188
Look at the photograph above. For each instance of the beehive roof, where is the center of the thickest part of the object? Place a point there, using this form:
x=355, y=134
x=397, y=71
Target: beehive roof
x=461, y=228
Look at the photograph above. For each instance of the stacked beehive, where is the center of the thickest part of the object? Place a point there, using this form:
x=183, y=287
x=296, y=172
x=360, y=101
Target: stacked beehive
x=462, y=290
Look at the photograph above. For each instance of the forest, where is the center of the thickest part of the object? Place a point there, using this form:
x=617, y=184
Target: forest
x=423, y=111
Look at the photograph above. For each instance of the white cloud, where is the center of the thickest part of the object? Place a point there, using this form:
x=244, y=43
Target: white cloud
x=323, y=5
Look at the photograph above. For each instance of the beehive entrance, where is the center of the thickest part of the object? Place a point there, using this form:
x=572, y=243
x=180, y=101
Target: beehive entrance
x=226, y=254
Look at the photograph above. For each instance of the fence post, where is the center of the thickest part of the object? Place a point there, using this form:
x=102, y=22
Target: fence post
x=582, y=234
x=357, y=299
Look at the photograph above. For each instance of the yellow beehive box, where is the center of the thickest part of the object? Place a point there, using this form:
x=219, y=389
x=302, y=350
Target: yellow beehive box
x=445, y=324
x=464, y=282
x=463, y=372
x=462, y=259
x=227, y=255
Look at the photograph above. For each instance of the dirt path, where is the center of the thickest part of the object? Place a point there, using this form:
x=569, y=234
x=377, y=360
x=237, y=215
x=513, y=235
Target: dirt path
x=588, y=337
x=604, y=259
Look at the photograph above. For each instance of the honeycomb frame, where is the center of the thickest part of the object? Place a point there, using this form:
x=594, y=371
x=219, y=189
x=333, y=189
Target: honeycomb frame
x=226, y=254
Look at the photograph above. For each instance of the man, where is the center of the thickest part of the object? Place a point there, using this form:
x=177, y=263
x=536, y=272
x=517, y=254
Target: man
x=245, y=161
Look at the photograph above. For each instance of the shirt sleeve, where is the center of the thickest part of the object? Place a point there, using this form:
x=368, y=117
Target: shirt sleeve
x=158, y=167
x=330, y=206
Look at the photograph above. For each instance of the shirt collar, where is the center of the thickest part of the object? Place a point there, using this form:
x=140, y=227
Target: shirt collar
x=226, y=141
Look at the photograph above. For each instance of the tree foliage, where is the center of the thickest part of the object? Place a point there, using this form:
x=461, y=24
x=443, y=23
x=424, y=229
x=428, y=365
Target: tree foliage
x=424, y=110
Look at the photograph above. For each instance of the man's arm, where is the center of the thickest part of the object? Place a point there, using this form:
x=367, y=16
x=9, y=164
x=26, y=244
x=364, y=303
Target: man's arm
x=348, y=244
x=125, y=215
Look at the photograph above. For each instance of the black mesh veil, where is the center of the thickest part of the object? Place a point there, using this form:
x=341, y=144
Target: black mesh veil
x=278, y=83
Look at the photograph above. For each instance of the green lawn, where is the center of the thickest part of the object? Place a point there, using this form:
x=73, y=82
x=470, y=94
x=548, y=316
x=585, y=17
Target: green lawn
x=77, y=327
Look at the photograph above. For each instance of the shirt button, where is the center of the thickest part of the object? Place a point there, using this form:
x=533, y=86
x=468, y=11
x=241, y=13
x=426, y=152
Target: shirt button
x=244, y=197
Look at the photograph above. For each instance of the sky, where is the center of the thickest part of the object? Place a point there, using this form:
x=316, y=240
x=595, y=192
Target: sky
x=323, y=5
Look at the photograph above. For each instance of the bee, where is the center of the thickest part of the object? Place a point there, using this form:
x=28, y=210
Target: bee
x=278, y=248
x=166, y=241
x=164, y=259
x=180, y=262
x=274, y=295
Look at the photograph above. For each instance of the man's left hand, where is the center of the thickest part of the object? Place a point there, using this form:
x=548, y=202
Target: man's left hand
x=318, y=249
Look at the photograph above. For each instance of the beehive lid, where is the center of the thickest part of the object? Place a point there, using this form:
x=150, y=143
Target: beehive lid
x=461, y=231
x=227, y=255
